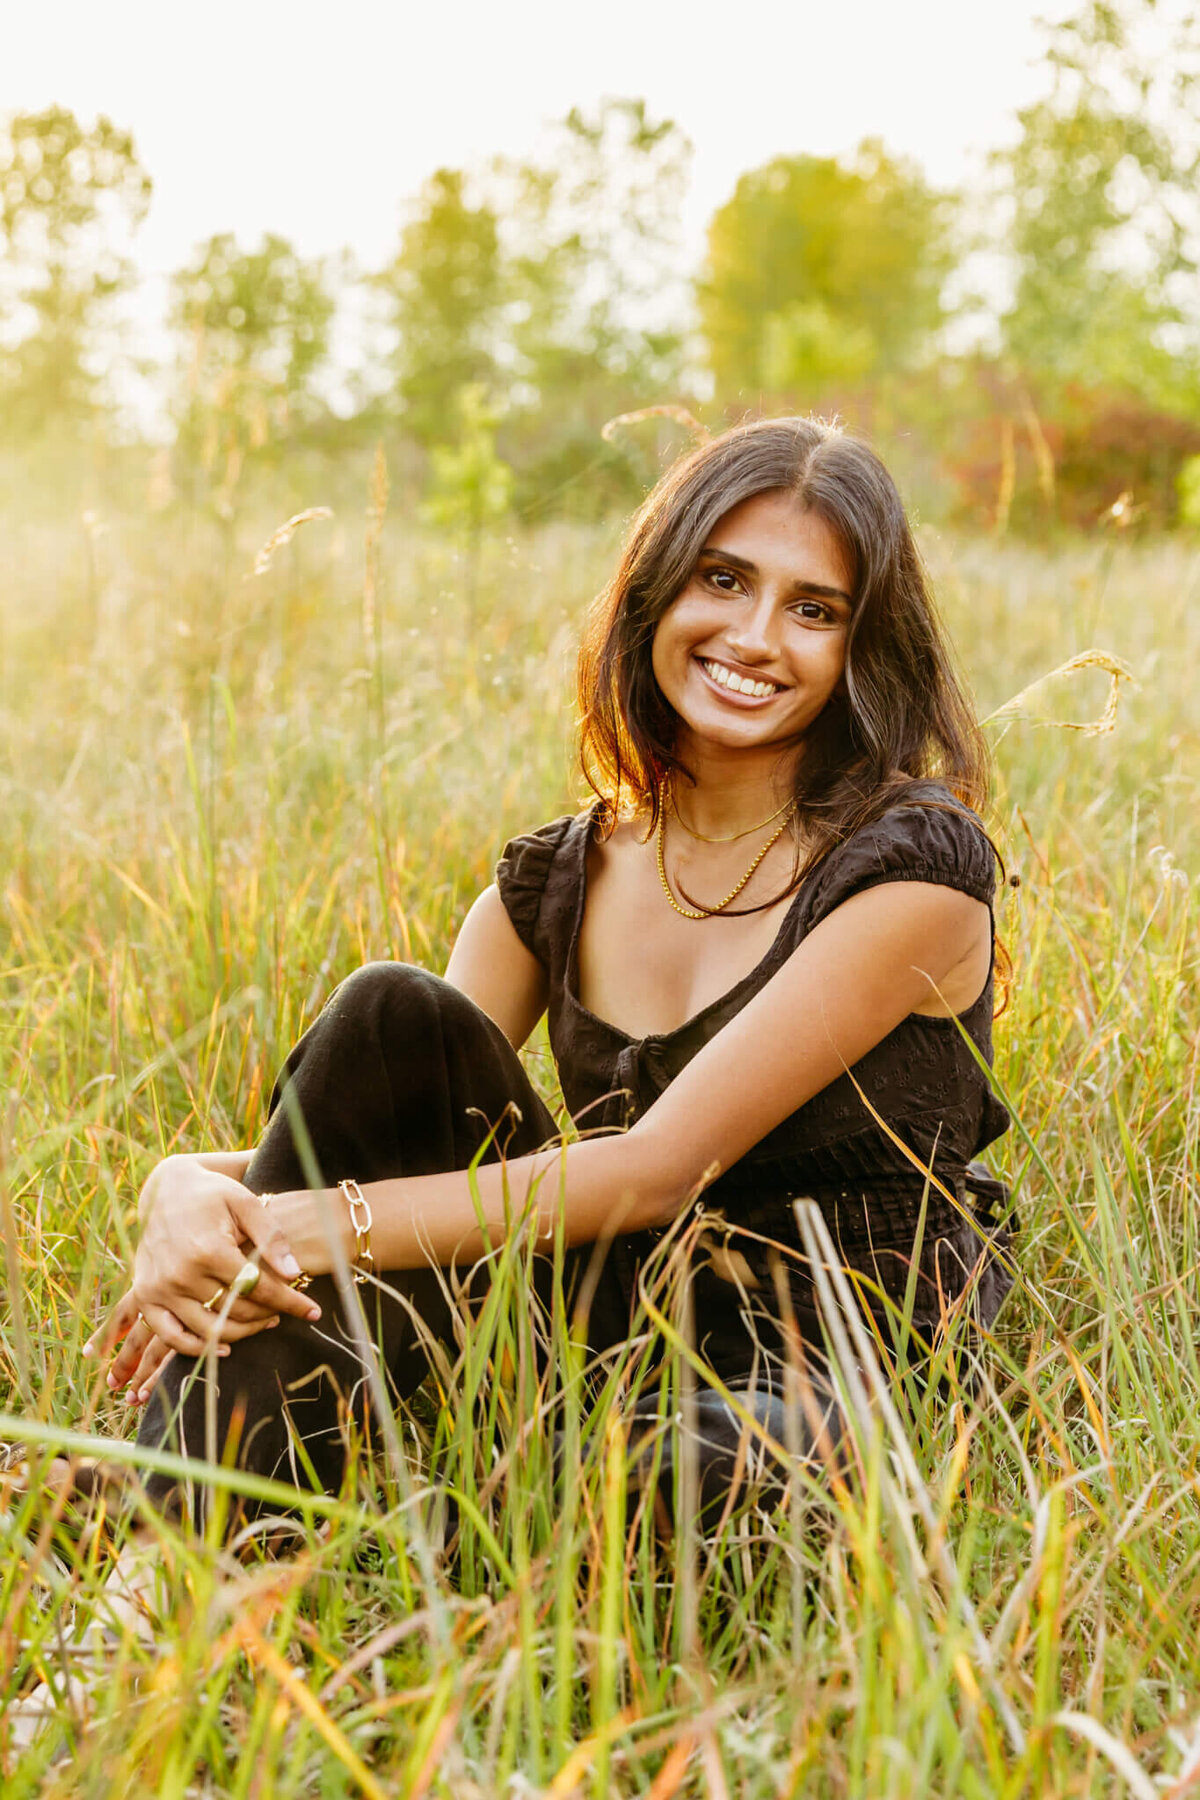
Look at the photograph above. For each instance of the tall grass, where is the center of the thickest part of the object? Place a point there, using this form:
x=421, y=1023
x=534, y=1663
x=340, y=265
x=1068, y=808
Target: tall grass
x=220, y=794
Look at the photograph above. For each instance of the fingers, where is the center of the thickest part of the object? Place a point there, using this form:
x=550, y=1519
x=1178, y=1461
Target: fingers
x=119, y=1323
x=174, y=1332
x=269, y=1292
x=246, y=1309
x=157, y=1356
x=145, y=1377
x=127, y=1328
x=129, y=1355
x=258, y=1225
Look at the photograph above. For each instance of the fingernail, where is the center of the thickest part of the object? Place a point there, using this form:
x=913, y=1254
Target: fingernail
x=271, y=1324
x=87, y=1349
x=143, y=1396
x=313, y=1314
x=110, y=1381
x=222, y=1349
x=290, y=1267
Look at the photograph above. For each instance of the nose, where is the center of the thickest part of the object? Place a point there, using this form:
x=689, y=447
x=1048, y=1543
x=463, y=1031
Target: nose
x=754, y=637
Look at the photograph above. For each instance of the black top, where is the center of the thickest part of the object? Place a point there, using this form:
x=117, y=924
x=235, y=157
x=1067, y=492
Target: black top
x=924, y=1078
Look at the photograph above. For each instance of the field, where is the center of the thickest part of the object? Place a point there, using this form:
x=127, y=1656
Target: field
x=223, y=790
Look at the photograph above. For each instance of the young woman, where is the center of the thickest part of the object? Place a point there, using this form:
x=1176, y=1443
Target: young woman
x=770, y=932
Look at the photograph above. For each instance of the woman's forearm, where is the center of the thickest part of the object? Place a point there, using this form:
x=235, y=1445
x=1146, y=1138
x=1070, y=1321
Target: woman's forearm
x=599, y=1187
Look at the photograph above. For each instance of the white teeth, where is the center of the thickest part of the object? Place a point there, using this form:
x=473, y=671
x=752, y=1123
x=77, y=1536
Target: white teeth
x=740, y=684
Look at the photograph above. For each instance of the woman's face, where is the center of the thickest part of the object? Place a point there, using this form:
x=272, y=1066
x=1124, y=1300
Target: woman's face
x=754, y=647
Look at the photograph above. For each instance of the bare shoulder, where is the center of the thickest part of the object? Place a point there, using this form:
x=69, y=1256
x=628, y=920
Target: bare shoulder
x=491, y=965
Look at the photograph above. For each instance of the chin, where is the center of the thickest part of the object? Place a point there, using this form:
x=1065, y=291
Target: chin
x=733, y=734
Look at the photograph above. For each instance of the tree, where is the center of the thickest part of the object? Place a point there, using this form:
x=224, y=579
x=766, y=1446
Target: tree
x=256, y=329
x=68, y=195
x=549, y=286
x=591, y=235
x=596, y=296
x=821, y=274
x=447, y=292
x=472, y=486
x=1105, y=222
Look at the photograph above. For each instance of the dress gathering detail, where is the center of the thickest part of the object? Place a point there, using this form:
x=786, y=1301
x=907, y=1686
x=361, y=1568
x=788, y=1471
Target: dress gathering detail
x=926, y=1079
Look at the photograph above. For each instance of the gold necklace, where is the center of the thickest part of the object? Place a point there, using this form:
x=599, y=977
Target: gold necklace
x=733, y=835
x=707, y=912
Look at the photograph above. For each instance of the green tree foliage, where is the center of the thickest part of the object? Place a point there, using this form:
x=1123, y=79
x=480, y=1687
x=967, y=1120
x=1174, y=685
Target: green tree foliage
x=472, y=486
x=552, y=286
x=821, y=274
x=591, y=236
x=69, y=194
x=447, y=288
x=597, y=298
x=1188, y=489
x=1105, y=225
x=255, y=326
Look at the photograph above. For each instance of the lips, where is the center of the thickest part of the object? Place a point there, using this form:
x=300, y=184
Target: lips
x=732, y=683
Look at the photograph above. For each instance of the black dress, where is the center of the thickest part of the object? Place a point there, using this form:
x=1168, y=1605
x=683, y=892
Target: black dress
x=402, y=1075
x=922, y=1079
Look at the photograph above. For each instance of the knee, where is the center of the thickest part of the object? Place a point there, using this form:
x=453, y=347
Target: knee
x=384, y=992
x=401, y=997
x=377, y=983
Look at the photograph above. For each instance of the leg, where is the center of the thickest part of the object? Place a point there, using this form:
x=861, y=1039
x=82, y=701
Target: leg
x=732, y=1464
x=400, y=1075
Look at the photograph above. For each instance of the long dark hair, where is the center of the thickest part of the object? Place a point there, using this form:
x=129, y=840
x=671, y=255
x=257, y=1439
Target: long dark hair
x=905, y=716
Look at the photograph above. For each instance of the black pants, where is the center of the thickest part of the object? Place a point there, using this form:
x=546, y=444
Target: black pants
x=401, y=1075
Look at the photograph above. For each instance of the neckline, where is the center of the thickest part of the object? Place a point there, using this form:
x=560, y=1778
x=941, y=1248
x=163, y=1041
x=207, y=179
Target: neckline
x=571, y=974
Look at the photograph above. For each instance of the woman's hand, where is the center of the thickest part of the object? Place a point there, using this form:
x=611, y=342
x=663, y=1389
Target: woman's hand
x=141, y=1355
x=197, y=1225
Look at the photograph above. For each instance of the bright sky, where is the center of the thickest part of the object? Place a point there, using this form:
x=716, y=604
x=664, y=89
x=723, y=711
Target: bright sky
x=317, y=121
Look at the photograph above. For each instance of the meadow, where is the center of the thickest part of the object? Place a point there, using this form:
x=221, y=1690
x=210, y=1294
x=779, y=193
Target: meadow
x=221, y=791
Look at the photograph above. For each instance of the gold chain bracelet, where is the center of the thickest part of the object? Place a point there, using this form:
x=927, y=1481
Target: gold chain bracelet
x=363, y=1265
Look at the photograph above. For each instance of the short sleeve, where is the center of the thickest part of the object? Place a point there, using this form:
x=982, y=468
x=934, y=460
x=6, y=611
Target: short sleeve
x=523, y=874
x=930, y=839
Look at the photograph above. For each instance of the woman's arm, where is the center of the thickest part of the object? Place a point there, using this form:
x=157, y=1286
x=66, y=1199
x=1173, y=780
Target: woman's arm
x=491, y=965
x=873, y=961
x=196, y=1207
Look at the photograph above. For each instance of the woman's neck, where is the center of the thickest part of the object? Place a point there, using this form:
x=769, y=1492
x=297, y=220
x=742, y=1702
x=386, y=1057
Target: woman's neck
x=734, y=790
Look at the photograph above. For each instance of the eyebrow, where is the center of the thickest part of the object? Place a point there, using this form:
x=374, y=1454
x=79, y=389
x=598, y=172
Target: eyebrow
x=799, y=587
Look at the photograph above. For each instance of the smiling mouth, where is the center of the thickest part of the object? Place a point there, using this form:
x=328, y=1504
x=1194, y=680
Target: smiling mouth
x=733, y=683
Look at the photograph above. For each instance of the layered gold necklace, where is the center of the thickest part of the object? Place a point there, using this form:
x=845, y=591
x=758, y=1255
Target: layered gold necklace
x=788, y=810
x=732, y=836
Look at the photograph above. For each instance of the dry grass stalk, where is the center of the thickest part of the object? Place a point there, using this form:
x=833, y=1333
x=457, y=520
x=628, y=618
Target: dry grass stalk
x=284, y=534
x=700, y=433
x=1114, y=666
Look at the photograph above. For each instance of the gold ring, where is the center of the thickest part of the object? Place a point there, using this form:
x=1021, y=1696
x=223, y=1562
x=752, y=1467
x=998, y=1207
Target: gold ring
x=246, y=1279
x=214, y=1300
